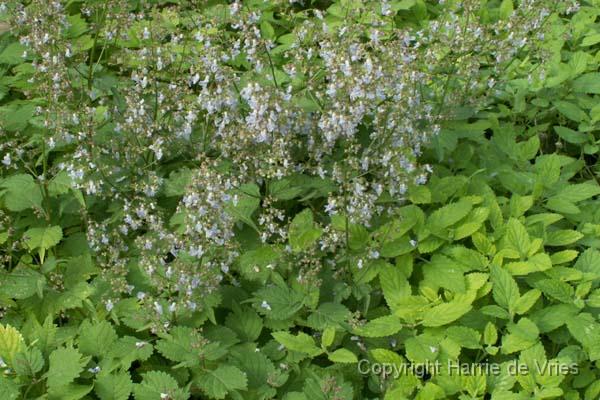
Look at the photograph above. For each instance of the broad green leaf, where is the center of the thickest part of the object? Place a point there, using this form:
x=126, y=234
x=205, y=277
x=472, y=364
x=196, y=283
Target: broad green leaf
x=517, y=237
x=526, y=301
x=301, y=342
x=43, y=238
x=28, y=362
x=466, y=337
x=522, y=335
x=302, y=232
x=449, y=215
x=343, y=356
x=9, y=390
x=113, y=386
x=562, y=237
x=505, y=288
x=21, y=192
x=490, y=334
x=65, y=365
x=380, y=327
x=225, y=379
x=11, y=342
x=158, y=385
x=246, y=323
x=422, y=349
x=246, y=201
x=328, y=337
x=570, y=110
x=570, y=135
x=96, y=339
x=587, y=83
x=394, y=285
x=278, y=302
x=506, y=9
x=445, y=313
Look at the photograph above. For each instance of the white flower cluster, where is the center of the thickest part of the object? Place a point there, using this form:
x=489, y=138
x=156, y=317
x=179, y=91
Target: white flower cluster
x=351, y=102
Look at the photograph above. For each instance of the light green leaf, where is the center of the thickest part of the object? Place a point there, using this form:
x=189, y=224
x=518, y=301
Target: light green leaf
x=9, y=390
x=158, y=385
x=301, y=342
x=562, y=237
x=522, y=335
x=570, y=110
x=65, y=365
x=11, y=342
x=445, y=313
x=570, y=135
x=380, y=327
x=526, y=301
x=449, y=215
x=302, y=232
x=21, y=192
x=587, y=83
x=343, y=356
x=505, y=288
x=96, y=339
x=43, y=238
x=28, y=362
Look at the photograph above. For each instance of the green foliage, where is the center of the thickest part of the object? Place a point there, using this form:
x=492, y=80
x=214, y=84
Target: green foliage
x=494, y=260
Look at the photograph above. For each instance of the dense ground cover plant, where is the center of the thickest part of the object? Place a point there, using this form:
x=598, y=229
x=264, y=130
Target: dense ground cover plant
x=260, y=199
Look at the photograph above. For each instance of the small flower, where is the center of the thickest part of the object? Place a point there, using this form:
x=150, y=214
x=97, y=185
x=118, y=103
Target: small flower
x=109, y=305
x=265, y=305
x=94, y=370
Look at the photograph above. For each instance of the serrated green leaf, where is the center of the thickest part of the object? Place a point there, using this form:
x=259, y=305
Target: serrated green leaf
x=21, y=193
x=9, y=390
x=301, y=342
x=158, y=385
x=28, y=362
x=302, y=232
x=96, y=339
x=343, y=356
x=278, y=302
x=380, y=327
x=113, y=386
x=445, y=313
x=11, y=342
x=43, y=238
x=218, y=383
x=505, y=289
x=65, y=365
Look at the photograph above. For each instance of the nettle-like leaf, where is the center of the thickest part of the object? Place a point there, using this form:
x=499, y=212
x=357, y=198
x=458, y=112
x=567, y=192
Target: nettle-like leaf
x=303, y=232
x=28, y=362
x=446, y=313
x=20, y=192
x=11, y=342
x=505, y=288
x=183, y=345
x=220, y=382
x=278, y=302
x=9, y=389
x=65, y=365
x=380, y=327
x=301, y=343
x=113, y=386
x=158, y=385
x=96, y=339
